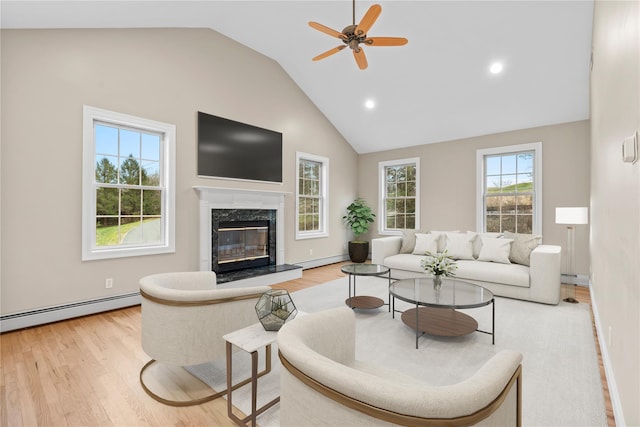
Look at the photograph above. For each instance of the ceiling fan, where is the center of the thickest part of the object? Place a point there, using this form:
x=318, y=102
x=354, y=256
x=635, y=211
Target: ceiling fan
x=355, y=35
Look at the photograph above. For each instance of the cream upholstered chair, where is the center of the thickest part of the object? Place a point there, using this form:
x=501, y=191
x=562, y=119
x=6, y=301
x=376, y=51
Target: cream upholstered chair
x=322, y=384
x=184, y=318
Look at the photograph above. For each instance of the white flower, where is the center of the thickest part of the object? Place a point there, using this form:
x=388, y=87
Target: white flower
x=439, y=264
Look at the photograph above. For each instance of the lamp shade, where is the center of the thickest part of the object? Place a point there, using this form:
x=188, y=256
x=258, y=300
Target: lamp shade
x=572, y=216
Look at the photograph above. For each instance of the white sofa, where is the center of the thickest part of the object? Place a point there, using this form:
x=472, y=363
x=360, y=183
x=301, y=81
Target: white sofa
x=322, y=384
x=539, y=281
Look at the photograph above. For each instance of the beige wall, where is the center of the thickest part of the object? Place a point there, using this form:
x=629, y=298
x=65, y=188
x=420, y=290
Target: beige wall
x=448, y=180
x=615, y=196
x=159, y=74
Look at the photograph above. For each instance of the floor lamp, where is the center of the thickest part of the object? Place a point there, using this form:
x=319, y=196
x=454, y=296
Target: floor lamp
x=571, y=217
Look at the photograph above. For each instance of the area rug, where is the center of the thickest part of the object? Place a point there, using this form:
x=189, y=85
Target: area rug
x=561, y=377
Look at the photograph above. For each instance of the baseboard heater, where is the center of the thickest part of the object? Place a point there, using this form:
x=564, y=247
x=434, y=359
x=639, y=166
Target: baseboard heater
x=11, y=322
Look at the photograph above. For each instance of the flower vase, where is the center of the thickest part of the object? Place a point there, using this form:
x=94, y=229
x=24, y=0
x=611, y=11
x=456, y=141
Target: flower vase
x=437, y=282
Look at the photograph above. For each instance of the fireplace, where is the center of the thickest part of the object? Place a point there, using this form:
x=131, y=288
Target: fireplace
x=238, y=207
x=242, y=239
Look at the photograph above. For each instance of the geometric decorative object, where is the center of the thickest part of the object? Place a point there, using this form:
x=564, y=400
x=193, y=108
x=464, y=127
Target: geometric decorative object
x=275, y=308
x=571, y=216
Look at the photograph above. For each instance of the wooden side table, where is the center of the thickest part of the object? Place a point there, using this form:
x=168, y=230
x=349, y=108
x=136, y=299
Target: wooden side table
x=250, y=339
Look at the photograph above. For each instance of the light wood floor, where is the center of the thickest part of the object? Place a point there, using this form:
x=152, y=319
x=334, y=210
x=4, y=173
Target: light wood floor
x=84, y=372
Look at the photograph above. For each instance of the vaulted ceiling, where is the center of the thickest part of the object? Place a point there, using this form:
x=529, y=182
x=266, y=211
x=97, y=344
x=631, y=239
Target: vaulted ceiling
x=436, y=88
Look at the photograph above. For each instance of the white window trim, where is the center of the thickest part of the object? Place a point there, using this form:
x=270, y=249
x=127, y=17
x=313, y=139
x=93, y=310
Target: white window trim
x=382, y=186
x=324, y=188
x=536, y=147
x=89, y=249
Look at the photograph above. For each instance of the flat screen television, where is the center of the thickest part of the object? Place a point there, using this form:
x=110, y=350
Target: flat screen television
x=234, y=150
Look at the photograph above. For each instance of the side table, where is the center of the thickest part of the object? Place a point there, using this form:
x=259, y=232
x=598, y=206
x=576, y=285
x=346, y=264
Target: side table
x=250, y=339
x=365, y=301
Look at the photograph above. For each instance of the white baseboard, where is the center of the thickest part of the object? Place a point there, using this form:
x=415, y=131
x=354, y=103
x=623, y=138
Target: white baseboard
x=11, y=322
x=608, y=369
x=577, y=279
x=322, y=261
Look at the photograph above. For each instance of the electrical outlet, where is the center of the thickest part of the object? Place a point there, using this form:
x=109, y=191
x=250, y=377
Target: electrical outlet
x=310, y=251
x=108, y=283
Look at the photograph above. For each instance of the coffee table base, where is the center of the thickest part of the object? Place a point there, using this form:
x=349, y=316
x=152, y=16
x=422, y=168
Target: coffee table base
x=364, y=302
x=443, y=322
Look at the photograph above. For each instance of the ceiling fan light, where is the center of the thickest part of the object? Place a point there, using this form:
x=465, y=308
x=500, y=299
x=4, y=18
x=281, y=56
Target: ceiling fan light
x=370, y=104
x=496, y=68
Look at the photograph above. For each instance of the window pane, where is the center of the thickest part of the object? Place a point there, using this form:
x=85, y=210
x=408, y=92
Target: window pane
x=508, y=223
x=107, y=232
x=410, y=206
x=402, y=189
x=493, y=223
x=411, y=189
x=400, y=221
x=106, y=140
x=129, y=143
x=525, y=162
x=508, y=205
x=525, y=224
x=508, y=183
x=410, y=223
x=400, y=206
x=509, y=164
x=107, y=201
x=492, y=184
x=391, y=206
x=525, y=182
x=492, y=204
x=130, y=172
x=525, y=204
x=150, y=173
x=391, y=174
x=391, y=190
x=411, y=173
x=391, y=221
x=130, y=202
x=492, y=165
x=131, y=231
x=151, y=202
x=106, y=170
x=151, y=147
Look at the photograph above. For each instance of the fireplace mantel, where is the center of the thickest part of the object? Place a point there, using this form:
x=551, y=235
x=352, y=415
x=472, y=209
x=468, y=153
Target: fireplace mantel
x=234, y=198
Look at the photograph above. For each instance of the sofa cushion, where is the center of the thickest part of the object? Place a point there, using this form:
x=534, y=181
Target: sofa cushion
x=460, y=245
x=408, y=241
x=443, y=240
x=522, y=246
x=495, y=250
x=477, y=244
x=407, y=262
x=508, y=274
x=426, y=242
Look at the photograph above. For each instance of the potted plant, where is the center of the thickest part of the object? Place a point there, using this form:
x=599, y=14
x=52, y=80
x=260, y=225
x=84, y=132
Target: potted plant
x=358, y=218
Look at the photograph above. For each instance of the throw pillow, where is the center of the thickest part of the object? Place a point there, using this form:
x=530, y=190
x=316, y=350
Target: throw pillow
x=495, y=250
x=523, y=245
x=460, y=245
x=477, y=244
x=426, y=242
x=443, y=238
x=408, y=241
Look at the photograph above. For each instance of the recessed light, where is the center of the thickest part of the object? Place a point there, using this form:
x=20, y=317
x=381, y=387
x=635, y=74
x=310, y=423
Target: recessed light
x=370, y=104
x=496, y=68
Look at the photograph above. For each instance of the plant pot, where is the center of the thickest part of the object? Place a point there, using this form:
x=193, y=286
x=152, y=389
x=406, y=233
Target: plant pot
x=358, y=251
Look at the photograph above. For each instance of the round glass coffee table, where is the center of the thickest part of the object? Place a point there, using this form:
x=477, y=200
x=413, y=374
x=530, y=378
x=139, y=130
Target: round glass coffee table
x=355, y=270
x=435, y=309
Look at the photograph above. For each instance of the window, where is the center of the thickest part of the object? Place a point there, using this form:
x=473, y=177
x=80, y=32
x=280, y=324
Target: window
x=399, y=190
x=128, y=185
x=509, y=189
x=311, y=201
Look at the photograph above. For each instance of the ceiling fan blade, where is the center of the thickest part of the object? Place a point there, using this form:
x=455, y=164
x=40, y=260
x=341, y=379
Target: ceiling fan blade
x=386, y=41
x=368, y=19
x=326, y=30
x=328, y=53
x=361, y=58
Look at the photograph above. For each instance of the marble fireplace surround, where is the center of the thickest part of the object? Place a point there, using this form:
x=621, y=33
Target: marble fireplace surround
x=233, y=198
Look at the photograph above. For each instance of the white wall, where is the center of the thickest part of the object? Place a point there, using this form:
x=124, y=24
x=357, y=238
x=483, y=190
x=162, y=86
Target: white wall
x=160, y=74
x=448, y=180
x=615, y=198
